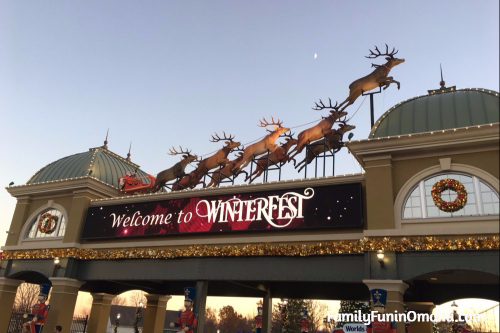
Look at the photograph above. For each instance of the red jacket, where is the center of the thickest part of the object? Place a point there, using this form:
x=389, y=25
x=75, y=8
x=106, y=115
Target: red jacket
x=304, y=325
x=381, y=327
x=187, y=318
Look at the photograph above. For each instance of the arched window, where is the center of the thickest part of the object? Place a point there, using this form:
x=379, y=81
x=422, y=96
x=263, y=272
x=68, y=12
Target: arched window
x=53, y=220
x=481, y=198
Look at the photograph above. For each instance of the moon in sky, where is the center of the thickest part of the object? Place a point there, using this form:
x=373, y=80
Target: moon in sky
x=315, y=55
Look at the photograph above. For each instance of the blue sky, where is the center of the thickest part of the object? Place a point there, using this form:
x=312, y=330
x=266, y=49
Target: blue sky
x=170, y=73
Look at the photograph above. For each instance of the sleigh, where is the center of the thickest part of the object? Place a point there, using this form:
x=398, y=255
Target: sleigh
x=131, y=184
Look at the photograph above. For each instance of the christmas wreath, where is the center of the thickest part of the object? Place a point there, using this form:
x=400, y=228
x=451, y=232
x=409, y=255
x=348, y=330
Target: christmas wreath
x=449, y=184
x=47, y=223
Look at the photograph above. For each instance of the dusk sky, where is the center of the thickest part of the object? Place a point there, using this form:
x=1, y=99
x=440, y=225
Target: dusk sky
x=169, y=73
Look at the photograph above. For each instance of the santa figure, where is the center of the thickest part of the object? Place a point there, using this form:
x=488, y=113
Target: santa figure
x=40, y=310
x=304, y=323
x=187, y=319
x=379, y=297
x=258, y=318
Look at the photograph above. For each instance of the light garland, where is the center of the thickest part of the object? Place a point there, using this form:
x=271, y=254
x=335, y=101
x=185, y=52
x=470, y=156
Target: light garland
x=289, y=250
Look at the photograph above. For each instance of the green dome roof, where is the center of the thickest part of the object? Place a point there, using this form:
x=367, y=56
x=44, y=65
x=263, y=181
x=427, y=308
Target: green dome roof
x=447, y=110
x=104, y=164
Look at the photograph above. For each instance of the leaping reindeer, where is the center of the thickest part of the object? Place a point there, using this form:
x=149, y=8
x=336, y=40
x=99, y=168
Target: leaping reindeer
x=278, y=156
x=333, y=142
x=262, y=146
x=220, y=157
x=177, y=171
x=225, y=172
x=378, y=78
x=319, y=130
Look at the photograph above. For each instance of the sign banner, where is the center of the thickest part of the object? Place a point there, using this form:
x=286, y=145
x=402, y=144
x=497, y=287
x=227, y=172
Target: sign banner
x=355, y=328
x=333, y=206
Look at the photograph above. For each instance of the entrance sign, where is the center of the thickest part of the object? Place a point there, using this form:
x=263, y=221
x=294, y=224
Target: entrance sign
x=334, y=206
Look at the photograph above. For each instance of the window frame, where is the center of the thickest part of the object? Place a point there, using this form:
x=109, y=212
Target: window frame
x=30, y=221
x=476, y=183
x=445, y=225
x=55, y=234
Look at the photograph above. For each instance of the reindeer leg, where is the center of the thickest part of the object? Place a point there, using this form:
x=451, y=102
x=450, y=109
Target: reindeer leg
x=300, y=163
x=397, y=82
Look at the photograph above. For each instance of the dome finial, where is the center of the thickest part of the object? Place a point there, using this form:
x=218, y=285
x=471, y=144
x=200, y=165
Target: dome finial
x=129, y=148
x=442, y=83
x=106, y=140
x=443, y=88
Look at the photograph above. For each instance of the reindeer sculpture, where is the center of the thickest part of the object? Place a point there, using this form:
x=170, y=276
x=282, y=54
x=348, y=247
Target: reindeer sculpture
x=378, y=78
x=267, y=144
x=317, y=131
x=220, y=157
x=177, y=171
x=278, y=156
x=207, y=164
x=188, y=181
x=333, y=142
x=225, y=172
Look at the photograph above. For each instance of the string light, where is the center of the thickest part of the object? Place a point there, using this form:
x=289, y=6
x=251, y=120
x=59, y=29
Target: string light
x=359, y=246
x=372, y=133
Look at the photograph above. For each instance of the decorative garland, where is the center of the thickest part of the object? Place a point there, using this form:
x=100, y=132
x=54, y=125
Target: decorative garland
x=449, y=184
x=47, y=223
x=283, y=250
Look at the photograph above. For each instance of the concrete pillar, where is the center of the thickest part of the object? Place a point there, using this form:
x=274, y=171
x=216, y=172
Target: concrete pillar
x=76, y=215
x=395, y=291
x=62, y=302
x=21, y=213
x=99, y=313
x=154, y=315
x=267, y=312
x=200, y=303
x=379, y=192
x=8, y=290
x=421, y=307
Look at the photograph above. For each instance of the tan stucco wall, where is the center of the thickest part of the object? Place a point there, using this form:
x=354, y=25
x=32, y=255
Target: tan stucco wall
x=74, y=203
x=404, y=170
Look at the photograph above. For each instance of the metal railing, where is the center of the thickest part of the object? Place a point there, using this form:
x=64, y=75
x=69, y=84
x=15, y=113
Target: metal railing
x=79, y=324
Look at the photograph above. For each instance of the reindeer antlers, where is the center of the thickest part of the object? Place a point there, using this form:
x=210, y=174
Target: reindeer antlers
x=322, y=106
x=175, y=152
x=264, y=123
x=288, y=134
x=217, y=138
x=378, y=54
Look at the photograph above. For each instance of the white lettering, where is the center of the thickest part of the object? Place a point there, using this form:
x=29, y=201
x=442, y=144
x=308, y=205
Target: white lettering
x=188, y=217
x=155, y=219
x=117, y=220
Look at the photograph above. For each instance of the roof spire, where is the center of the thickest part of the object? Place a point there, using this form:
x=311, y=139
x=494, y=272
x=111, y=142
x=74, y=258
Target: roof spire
x=129, y=148
x=442, y=83
x=443, y=88
x=106, y=141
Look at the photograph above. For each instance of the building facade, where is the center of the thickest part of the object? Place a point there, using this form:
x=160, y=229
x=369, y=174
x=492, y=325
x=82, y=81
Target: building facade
x=393, y=226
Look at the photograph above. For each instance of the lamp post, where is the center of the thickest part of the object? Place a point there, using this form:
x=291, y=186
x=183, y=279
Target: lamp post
x=284, y=316
x=138, y=317
x=117, y=323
